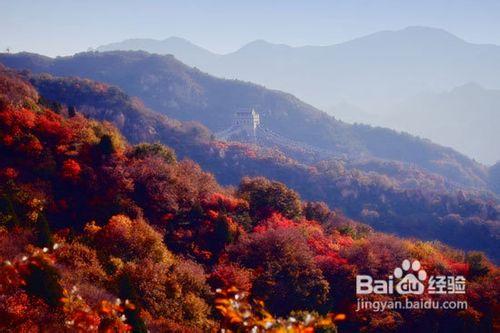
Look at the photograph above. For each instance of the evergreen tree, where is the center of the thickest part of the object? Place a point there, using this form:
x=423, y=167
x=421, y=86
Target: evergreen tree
x=71, y=111
x=106, y=146
x=128, y=291
x=44, y=235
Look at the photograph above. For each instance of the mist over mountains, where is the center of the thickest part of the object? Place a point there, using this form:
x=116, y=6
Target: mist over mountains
x=366, y=79
x=466, y=118
x=384, y=65
x=168, y=86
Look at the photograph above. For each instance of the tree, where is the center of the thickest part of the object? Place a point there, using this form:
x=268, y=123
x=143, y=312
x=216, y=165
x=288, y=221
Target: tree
x=265, y=197
x=143, y=150
x=43, y=281
x=106, y=146
x=44, y=235
x=317, y=211
x=71, y=111
x=131, y=240
x=288, y=278
x=478, y=264
x=128, y=292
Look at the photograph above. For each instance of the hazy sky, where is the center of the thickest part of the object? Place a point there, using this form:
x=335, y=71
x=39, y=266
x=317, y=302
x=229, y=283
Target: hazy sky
x=67, y=26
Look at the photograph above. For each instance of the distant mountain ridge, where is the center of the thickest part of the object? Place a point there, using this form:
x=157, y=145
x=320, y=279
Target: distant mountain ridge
x=180, y=92
x=182, y=48
x=421, y=58
x=376, y=74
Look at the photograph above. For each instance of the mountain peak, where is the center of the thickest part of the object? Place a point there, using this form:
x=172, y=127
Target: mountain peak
x=419, y=34
x=424, y=31
x=407, y=41
x=258, y=42
x=177, y=46
x=178, y=40
x=261, y=45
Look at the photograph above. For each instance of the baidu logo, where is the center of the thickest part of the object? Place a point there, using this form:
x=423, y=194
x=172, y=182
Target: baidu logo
x=410, y=278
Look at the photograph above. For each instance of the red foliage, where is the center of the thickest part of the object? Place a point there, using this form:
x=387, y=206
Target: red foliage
x=229, y=275
x=275, y=221
x=343, y=241
x=17, y=120
x=71, y=169
x=8, y=140
x=51, y=126
x=10, y=173
x=459, y=268
x=218, y=201
x=167, y=217
x=264, y=241
x=332, y=259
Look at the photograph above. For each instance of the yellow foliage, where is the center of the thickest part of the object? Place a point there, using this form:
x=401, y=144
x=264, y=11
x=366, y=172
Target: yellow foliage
x=242, y=315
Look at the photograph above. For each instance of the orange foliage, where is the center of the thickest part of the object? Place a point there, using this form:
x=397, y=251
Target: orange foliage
x=218, y=201
x=243, y=315
x=108, y=317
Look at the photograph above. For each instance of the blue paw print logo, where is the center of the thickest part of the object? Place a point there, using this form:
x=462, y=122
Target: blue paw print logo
x=411, y=277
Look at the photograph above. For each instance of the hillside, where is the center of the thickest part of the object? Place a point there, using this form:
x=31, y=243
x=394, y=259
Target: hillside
x=103, y=102
x=377, y=79
x=390, y=196
x=180, y=92
x=409, y=61
x=99, y=235
x=494, y=174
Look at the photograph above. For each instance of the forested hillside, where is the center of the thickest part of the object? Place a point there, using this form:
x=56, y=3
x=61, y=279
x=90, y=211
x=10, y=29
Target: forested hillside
x=100, y=235
x=178, y=91
x=390, y=196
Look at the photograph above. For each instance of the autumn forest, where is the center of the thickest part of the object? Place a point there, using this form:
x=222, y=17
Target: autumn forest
x=342, y=177
x=101, y=235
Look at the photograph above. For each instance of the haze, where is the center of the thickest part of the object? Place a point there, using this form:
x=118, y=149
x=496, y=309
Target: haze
x=431, y=68
x=65, y=27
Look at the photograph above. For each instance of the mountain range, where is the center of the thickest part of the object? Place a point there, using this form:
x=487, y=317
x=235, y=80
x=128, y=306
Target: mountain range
x=375, y=74
x=169, y=87
x=391, y=194
x=391, y=64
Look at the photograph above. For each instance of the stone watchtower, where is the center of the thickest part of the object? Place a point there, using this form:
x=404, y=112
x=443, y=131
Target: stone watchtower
x=247, y=122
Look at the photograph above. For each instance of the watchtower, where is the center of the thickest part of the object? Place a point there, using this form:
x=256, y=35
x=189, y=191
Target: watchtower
x=247, y=121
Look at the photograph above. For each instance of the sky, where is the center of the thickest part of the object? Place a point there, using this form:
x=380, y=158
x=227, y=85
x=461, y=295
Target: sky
x=63, y=27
